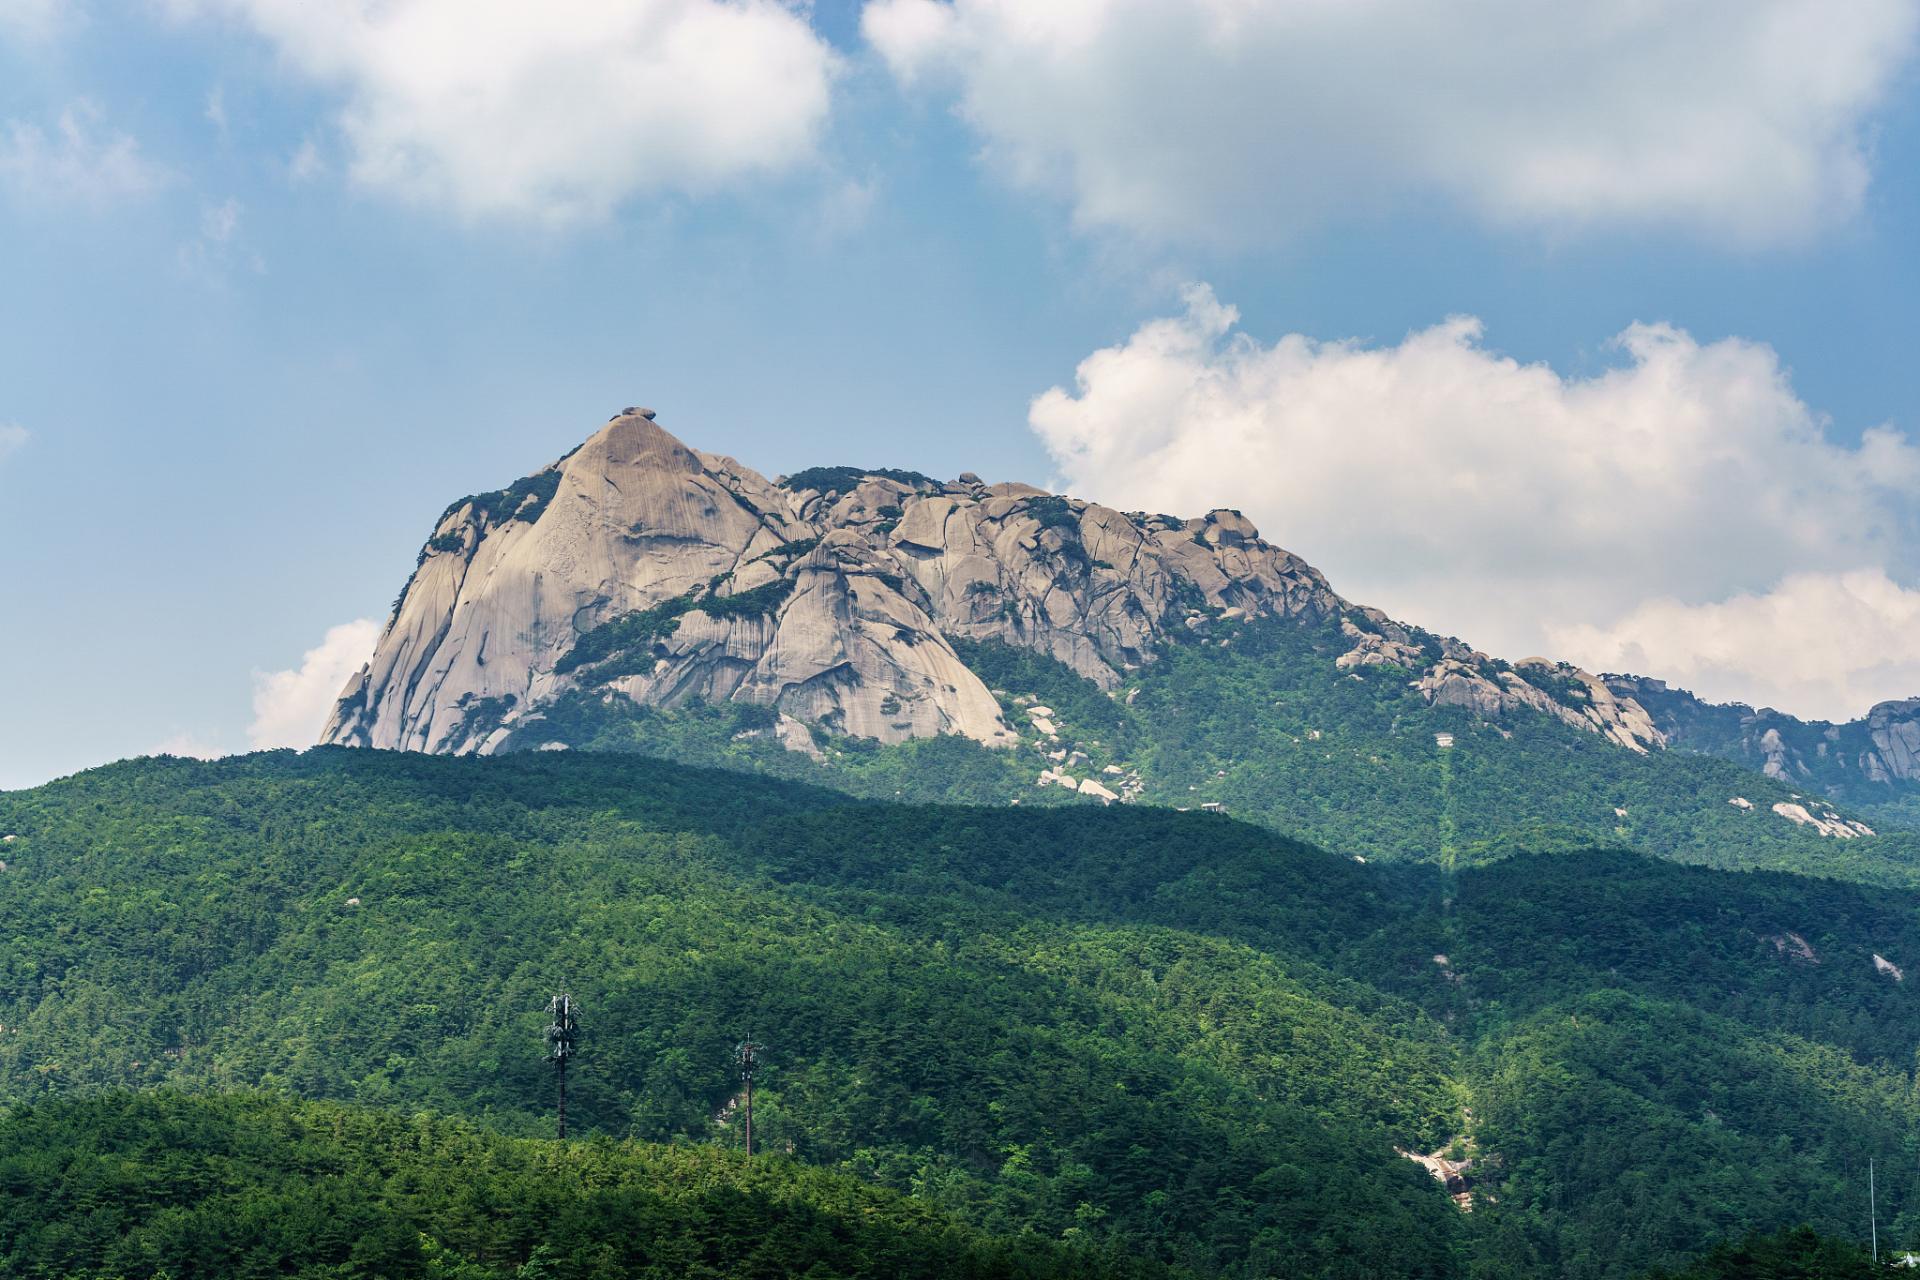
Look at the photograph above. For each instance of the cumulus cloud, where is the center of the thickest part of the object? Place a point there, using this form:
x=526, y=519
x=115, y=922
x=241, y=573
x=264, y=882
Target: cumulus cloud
x=13, y=438
x=1657, y=505
x=81, y=163
x=1236, y=119
x=1827, y=645
x=290, y=707
x=557, y=111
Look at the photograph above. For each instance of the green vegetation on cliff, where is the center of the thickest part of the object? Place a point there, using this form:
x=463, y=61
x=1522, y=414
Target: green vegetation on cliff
x=1267, y=726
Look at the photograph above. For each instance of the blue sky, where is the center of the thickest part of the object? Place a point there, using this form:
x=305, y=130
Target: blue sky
x=278, y=281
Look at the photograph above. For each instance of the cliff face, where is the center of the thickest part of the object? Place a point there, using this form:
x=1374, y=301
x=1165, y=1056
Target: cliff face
x=638, y=566
x=1869, y=761
x=1894, y=728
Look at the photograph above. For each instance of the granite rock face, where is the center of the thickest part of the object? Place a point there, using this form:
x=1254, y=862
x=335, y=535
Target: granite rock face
x=1456, y=676
x=1874, y=759
x=1895, y=730
x=638, y=566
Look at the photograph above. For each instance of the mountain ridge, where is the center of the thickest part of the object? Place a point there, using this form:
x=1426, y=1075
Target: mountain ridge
x=1846, y=760
x=901, y=637
x=664, y=573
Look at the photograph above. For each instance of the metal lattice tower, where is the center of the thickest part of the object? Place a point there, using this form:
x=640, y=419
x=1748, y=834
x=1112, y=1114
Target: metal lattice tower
x=743, y=1054
x=563, y=1041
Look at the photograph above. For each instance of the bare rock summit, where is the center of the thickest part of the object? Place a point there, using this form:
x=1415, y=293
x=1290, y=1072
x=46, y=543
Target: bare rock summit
x=637, y=566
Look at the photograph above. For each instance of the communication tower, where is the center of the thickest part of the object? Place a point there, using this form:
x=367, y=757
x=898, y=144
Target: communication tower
x=563, y=1041
x=743, y=1053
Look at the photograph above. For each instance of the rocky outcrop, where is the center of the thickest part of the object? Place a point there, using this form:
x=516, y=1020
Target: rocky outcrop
x=1791, y=946
x=1565, y=692
x=1612, y=716
x=1776, y=751
x=1377, y=648
x=1093, y=587
x=1452, y=1174
x=1827, y=824
x=638, y=567
x=1895, y=730
x=1452, y=674
x=1864, y=760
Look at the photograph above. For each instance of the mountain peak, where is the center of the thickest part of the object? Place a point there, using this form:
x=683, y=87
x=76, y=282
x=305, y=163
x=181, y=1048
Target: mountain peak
x=638, y=567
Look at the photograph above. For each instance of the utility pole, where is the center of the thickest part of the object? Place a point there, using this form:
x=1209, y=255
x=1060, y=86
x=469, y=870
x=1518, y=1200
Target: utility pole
x=563, y=1036
x=1873, y=1211
x=743, y=1054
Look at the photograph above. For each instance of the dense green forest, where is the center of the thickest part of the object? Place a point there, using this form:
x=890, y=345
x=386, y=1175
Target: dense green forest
x=1792, y=1253
x=245, y=1185
x=1153, y=1038
x=1265, y=725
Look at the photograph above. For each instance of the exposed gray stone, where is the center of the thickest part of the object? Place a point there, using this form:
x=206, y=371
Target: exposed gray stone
x=859, y=643
x=1895, y=729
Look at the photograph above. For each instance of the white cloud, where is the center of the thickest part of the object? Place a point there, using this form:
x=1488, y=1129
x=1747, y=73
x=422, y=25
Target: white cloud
x=291, y=707
x=34, y=20
x=1236, y=120
x=13, y=438
x=80, y=164
x=1510, y=506
x=1824, y=645
x=188, y=746
x=562, y=110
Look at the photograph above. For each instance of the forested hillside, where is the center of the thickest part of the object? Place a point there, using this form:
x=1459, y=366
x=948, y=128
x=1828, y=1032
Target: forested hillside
x=1256, y=717
x=1174, y=1038
x=241, y=1185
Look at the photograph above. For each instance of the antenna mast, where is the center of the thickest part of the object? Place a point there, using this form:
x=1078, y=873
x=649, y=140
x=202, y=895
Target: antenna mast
x=563, y=1037
x=743, y=1054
